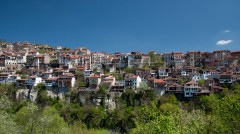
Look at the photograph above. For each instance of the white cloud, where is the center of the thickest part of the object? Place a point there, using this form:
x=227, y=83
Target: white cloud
x=224, y=42
x=227, y=31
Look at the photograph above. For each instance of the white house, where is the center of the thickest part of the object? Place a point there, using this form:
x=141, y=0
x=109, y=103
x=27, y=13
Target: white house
x=33, y=81
x=132, y=81
x=190, y=88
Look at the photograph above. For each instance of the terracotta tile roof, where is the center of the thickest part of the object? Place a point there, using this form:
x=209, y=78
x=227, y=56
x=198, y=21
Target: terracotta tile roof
x=192, y=82
x=81, y=48
x=40, y=56
x=235, y=52
x=159, y=81
x=75, y=56
x=95, y=76
x=51, y=79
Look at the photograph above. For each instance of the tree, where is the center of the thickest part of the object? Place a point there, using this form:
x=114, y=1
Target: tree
x=27, y=118
x=229, y=108
x=94, y=117
x=7, y=124
x=157, y=64
x=201, y=82
x=128, y=70
x=51, y=122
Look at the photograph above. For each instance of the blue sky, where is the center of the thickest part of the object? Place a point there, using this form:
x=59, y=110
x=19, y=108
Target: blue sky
x=124, y=25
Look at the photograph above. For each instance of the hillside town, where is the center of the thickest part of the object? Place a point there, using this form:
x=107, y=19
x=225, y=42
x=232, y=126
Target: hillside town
x=186, y=75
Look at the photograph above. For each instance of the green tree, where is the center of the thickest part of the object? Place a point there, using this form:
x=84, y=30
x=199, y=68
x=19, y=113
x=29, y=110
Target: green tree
x=7, y=124
x=51, y=122
x=27, y=118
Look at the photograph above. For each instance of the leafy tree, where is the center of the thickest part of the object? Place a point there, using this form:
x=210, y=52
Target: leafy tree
x=7, y=124
x=229, y=107
x=94, y=117
x=201, y=82
x=51, y=122
x=157, y=64
x=210, y=103
x=129, y=70
x=66, y=49
x=169, y=107
x=27, y=118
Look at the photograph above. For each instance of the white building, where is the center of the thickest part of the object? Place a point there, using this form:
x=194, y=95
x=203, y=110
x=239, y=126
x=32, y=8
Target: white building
x=132, y=81
x=190, y=88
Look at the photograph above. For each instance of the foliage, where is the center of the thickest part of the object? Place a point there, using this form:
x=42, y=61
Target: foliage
x=8, y=125
x=157, y=63
x=66, y=49
x=128, y=70
x=201, y=82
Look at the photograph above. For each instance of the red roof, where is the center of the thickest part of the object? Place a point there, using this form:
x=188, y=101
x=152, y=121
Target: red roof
x=159, y=81
x=95, y=76
x=81, y=48
x=51, y=79
x=40, y=56
x=192, y=82
x=235, y=52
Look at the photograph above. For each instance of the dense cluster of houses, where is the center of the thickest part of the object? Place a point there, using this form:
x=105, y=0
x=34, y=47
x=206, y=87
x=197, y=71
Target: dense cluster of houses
x=180, y=73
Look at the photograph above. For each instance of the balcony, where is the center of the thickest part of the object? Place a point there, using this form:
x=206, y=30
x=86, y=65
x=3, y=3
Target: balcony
x=48, y=84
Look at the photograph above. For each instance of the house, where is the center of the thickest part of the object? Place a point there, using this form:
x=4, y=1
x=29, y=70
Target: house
x=235, y=53
x=180, y=72
x=51, y=82
x=47, y=75
x=41, y=61
x=66, y=80
x=10, y=61
x=85, y=60
x=64, y=61
x=33, y=81
x=175, y=89
x=13, y=78
x=134, y=59
x=140, y=73
x=97, y=60
x=94, y=81
x=193, y=58
x=207, y=59
x=211, y=82
x=108, y=81
x=21, y=83
x=4, y=77
x=116, y=62
x=221, y=57
x=131, y=81
x=197, y=76
x=164, y=72
x=9, y=71
x=225, y=78
x=174, y=59
x=21, y=59
x=58, y=48
x=82, y=51
x=190, y=88
x=159, y=86
x=190, y=70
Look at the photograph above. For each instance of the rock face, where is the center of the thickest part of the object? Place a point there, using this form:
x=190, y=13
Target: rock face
x=27, y=94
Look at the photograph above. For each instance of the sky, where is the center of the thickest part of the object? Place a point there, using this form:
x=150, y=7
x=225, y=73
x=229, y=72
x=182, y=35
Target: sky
x=124, y=25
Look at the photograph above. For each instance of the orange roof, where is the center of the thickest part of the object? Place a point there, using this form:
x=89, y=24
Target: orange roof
x=192, y=82
x=95, y=76
x=51, y=79
x=81, y=48
x=235, y=52
x=74, y=56
x=32, y=51
x=40, y=56
x=159, y=81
